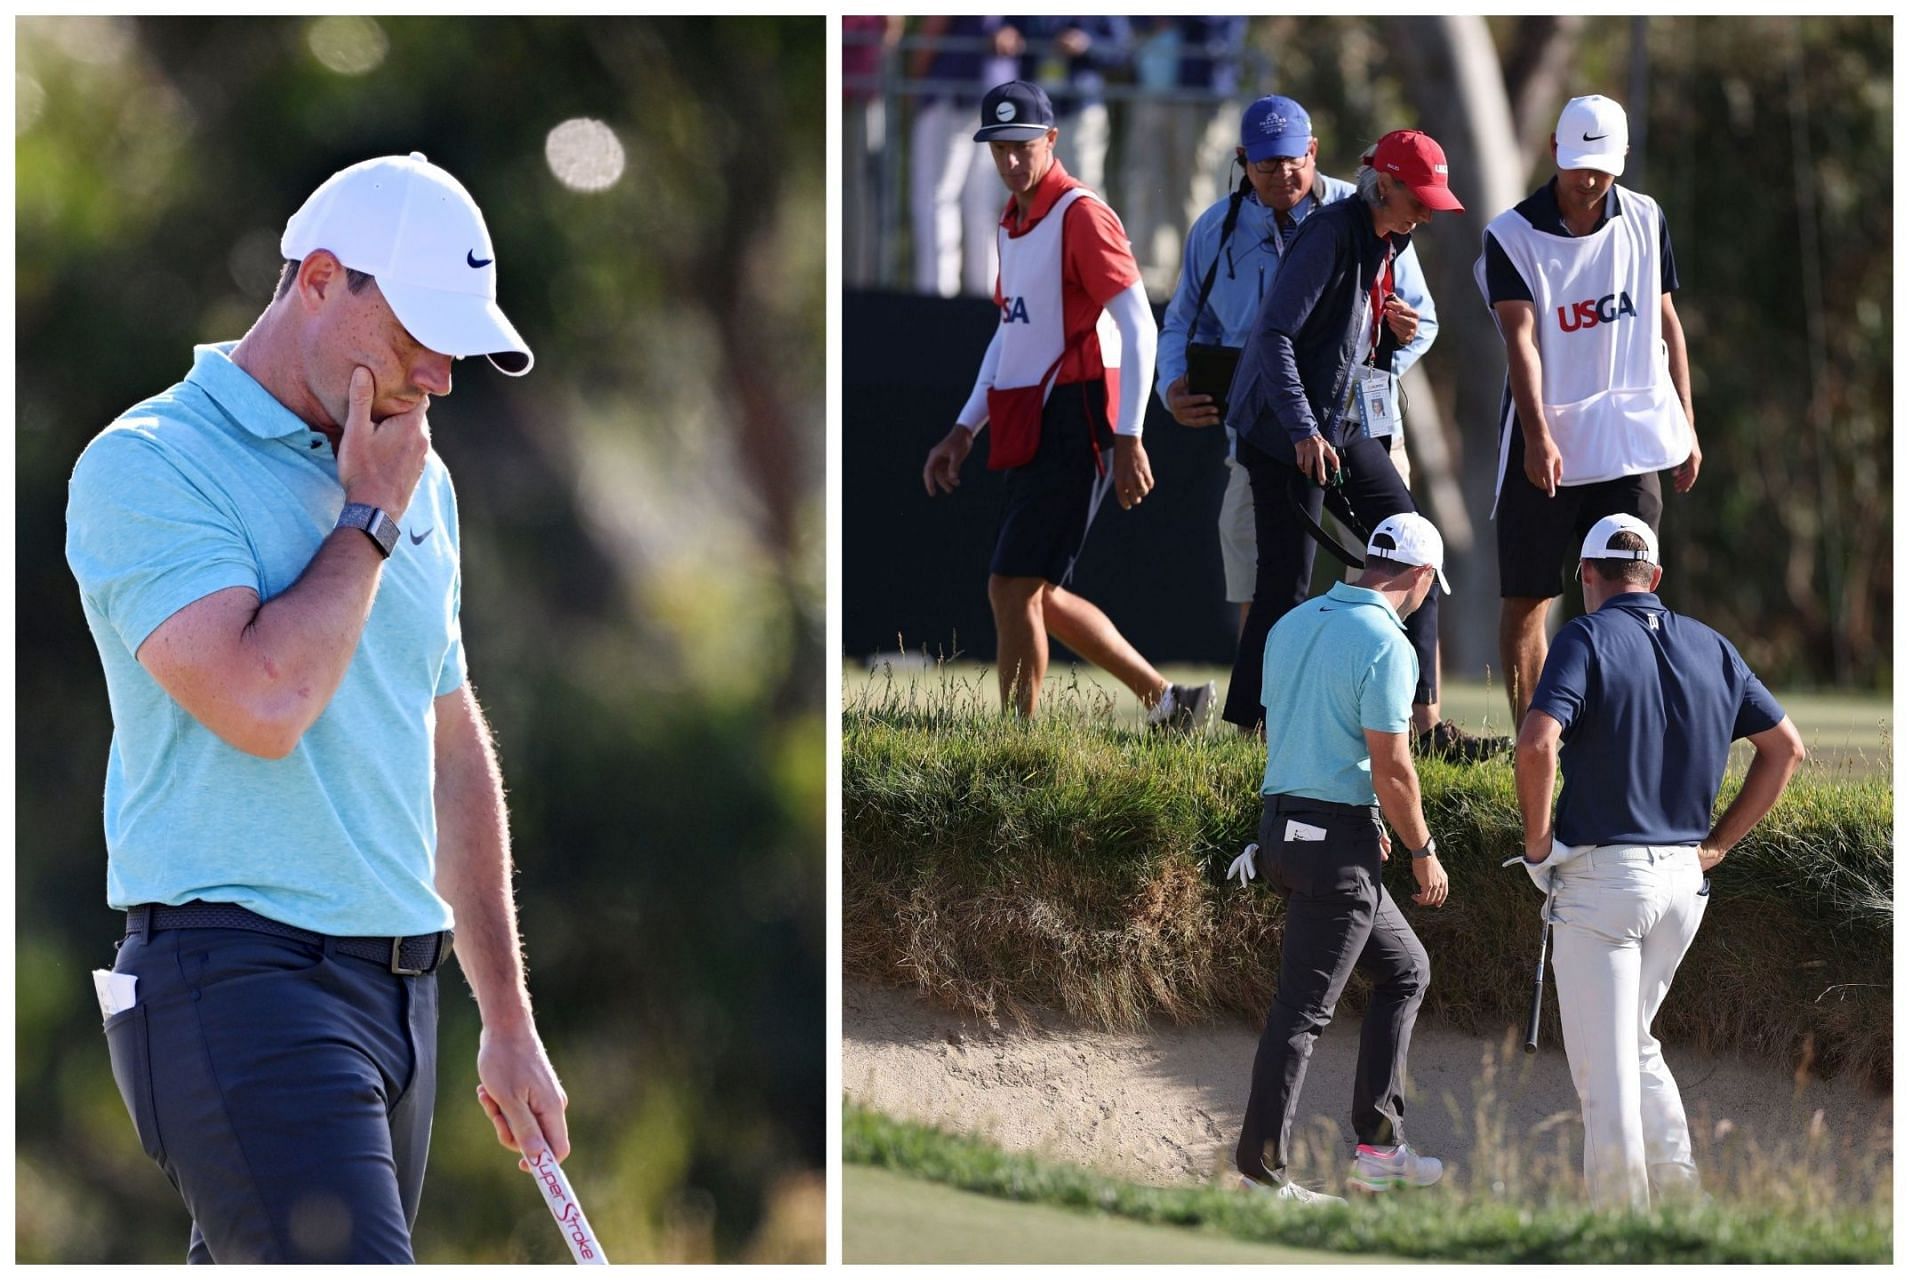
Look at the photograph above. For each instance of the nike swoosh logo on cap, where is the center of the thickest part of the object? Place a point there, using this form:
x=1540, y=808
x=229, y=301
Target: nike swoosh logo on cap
x=476, y=263
x=419, y=538
x=1584, y=137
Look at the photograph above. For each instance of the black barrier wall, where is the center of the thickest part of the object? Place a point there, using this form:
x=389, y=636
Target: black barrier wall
x=916, y=567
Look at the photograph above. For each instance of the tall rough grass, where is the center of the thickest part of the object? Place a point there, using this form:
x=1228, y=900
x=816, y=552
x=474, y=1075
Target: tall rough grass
x=999, y=866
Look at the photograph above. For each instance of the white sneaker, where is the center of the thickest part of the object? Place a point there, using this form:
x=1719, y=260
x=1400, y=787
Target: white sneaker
x=1378, y=1169
x=1289, y=1192
x=1182, y=708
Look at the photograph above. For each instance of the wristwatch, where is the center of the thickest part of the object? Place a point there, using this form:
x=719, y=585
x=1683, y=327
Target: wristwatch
x=1427, y=850
x=373, y=522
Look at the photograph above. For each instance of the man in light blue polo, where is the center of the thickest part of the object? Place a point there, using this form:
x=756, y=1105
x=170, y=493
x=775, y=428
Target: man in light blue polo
x=302, y=799
x=1338, y=691
x=1233, y=253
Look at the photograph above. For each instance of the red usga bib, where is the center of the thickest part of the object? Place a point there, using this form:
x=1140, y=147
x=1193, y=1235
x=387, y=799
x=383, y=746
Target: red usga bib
x=1035, y=342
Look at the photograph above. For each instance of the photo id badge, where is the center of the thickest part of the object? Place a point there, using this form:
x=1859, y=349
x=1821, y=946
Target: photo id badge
x=1376, y=401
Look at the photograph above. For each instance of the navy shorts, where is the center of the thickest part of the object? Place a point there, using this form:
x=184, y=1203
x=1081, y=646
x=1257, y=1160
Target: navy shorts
x=285, y=1090
x=1538, y=537
x=1051, y=501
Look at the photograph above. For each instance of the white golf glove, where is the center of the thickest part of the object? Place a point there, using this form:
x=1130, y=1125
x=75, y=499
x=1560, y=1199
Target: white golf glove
x=1541, y=872
x=1242, y=868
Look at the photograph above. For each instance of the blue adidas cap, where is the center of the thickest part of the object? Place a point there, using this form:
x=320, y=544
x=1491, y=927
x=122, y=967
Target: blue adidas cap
x=1014, y=112
x=1275, y=126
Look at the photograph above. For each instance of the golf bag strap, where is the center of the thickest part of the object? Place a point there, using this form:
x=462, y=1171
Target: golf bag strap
x=1226, y=232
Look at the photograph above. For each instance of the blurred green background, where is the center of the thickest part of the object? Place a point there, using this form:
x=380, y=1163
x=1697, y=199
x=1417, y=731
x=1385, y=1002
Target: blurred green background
x=643, y=591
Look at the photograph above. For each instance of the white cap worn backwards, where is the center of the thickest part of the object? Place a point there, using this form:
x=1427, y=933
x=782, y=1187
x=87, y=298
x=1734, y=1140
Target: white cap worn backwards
x=1592, y=134
x=1410, y=538
x=1595, y=547
x=417, y=232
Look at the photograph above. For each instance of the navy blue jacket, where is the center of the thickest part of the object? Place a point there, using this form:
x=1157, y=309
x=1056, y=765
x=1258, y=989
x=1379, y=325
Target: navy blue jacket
x=1304, y=352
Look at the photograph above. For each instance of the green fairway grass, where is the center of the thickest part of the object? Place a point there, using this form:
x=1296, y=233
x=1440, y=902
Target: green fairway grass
x=893, y=1217
x=1848, y=734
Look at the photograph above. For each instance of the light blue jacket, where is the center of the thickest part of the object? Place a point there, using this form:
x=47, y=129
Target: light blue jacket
x=1247, y=266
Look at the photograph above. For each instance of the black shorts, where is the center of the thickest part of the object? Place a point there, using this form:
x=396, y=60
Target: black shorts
x=1051, y=502
x=1539, y=537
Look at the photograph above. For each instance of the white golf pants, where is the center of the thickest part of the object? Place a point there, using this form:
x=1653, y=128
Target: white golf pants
x=956, y=201
x=1623, y=917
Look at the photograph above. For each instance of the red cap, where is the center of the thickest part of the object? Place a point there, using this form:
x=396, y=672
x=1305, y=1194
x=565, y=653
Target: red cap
x=1417, y=160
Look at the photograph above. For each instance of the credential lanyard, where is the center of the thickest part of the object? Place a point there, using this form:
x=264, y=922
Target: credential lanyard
x=1377, y=295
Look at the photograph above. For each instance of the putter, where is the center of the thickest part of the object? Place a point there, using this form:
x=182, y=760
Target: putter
x=1540, y=973
x=565, y=1207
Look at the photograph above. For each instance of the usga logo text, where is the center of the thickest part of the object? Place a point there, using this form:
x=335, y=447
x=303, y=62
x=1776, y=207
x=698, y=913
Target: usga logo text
x=1596, y=311
x=1014, y=309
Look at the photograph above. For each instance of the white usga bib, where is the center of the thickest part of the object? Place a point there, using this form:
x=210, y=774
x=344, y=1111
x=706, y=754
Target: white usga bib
x=1032, y=310
x=1609, y=397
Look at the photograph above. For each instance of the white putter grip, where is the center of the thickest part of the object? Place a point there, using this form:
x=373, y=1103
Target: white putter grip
x=565, y=1207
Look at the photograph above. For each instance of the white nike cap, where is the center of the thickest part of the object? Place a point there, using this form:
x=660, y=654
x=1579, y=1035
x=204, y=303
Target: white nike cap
x=415, y=230
x=1595, y=546
x=1410, y=538
x=1592, y=134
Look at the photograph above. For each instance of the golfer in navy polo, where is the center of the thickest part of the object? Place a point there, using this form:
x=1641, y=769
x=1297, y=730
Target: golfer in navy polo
x=302, y=797
x=1641, y=706
x=1338, y=693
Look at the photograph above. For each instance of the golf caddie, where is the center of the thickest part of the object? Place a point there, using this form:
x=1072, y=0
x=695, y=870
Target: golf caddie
x=1640, y=706
x=1062, y=391
x=1338, y=689
x=304, y=814
x=1580, y=276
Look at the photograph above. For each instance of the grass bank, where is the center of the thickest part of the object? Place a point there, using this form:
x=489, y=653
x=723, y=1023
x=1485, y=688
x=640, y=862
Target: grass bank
x=1438, y=1224
x=1071, y=864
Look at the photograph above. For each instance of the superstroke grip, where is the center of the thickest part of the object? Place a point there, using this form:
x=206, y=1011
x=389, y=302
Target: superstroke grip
x=565, y=1207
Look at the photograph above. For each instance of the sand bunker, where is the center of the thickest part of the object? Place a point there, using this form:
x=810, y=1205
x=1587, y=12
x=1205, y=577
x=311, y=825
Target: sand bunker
x=1164, y=1106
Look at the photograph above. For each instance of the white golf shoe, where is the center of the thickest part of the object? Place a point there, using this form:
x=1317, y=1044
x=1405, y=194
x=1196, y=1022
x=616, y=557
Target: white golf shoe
x=1289, y=1192
x=1381, y=1168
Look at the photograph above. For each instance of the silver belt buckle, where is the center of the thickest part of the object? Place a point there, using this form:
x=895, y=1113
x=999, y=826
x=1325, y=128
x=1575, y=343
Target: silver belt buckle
x=394, y=966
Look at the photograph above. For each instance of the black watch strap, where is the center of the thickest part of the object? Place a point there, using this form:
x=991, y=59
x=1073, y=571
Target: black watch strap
x=1427, y=850
x=373, y=522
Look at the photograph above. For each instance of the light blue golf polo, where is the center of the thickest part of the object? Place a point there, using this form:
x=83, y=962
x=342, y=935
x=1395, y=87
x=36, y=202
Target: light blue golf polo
x=214, y=484
x=1336, y=665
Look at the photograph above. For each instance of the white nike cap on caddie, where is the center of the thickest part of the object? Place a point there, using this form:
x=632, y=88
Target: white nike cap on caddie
x=1595, y=546
x=1592, y=134
x=416, y=231
x=1410, y=538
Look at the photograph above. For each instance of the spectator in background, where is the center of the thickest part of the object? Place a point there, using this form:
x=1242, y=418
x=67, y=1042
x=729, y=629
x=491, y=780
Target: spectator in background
x=1188, y=72
x=1230, y=259
x=865, y=42
x=956, y=194
x=1071, y=58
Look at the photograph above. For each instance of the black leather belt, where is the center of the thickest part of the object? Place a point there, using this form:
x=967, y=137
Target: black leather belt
x=1306, y=804
x=409, y=957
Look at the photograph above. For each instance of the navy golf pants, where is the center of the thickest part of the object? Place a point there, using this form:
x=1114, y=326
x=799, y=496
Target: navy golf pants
x=286, y=1091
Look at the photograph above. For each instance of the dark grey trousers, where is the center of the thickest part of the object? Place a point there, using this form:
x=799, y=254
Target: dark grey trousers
x=286, y=1092
x=1339, y=918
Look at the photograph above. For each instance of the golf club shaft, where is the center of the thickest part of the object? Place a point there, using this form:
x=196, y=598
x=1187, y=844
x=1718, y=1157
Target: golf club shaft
x=1540, y=977
x=565, y=1207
